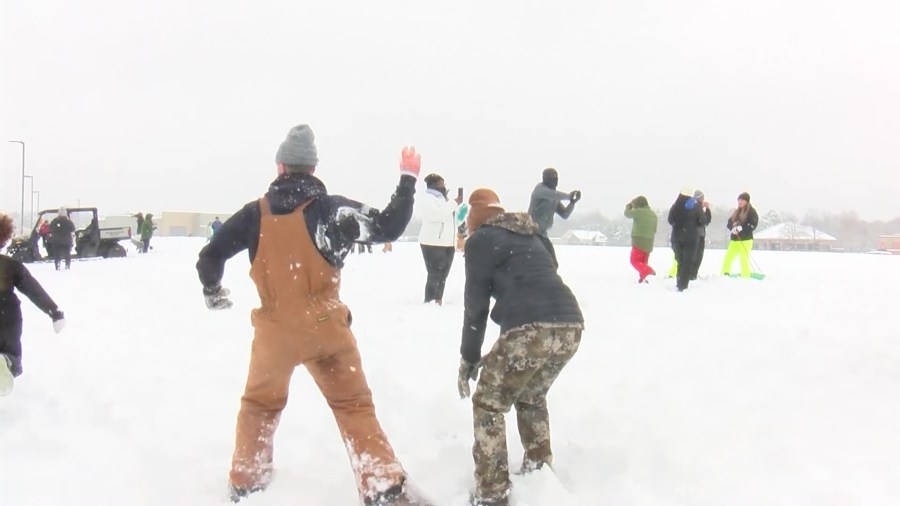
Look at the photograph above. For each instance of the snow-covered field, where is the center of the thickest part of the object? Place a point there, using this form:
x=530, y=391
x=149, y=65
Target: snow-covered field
x=737, y=392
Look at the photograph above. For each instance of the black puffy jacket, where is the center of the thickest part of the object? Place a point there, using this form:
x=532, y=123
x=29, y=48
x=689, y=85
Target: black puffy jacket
x=686, y=217
x=507, y=259
x=747, y=228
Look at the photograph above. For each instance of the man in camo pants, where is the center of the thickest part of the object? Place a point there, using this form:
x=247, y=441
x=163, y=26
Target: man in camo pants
x=541, y=326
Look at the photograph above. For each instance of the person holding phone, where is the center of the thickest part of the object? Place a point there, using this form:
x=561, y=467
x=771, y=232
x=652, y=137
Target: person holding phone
x=437, y=238
x=547, y=201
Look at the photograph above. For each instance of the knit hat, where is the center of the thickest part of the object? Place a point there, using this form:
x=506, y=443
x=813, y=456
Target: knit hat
x=299, y=148
x=698, y=194
x=483, y=204
x=744, y=196
x=62, y=212
x=687, y=191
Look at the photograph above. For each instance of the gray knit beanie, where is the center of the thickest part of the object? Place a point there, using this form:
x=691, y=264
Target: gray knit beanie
x=299, y=148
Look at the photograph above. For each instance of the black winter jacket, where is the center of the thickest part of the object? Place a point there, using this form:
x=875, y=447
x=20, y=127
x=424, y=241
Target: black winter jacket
x=508, y=259
x=686, y=217
x=61, y=230
x=14, y=275
x=334, y=223
x=747, y=228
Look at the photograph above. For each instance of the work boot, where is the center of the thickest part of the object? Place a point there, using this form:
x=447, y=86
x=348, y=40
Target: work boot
x=398, y=495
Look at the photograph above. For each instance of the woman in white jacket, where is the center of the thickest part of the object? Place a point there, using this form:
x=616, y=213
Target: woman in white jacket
x=438, y=236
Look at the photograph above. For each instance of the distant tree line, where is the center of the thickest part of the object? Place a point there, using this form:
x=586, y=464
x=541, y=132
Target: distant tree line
x=852, y=232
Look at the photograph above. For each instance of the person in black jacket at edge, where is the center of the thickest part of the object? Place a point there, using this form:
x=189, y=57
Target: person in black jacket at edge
x=686, y=217
x=15, y=276
x=507, y=258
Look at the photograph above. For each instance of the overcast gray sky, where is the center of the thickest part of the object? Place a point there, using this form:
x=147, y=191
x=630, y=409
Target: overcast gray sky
x=181, y=105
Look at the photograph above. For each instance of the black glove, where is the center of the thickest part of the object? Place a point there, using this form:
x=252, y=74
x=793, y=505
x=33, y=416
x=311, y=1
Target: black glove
x=217, y=298
x=575, y=196
x=467, y=371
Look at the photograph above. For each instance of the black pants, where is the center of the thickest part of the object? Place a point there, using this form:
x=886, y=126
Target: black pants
x=438, y=260
x=60, y=252
x=11, y=337
x=146, y=243
x=698, y=258
x=685, y=255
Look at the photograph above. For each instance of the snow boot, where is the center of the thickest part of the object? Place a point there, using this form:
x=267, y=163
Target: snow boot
x=239, y=493
x=6, y=376
x=479, y=501
x=399, y=495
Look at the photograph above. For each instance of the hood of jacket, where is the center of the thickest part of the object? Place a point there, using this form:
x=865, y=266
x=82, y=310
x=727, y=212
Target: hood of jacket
x=519, y=223
x=288, y=191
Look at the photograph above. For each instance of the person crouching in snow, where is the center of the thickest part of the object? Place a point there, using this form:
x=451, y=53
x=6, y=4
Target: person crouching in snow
x=540, y=324
x=298, y=236
x=643, y=233
x=742, y=222
x=15, y=276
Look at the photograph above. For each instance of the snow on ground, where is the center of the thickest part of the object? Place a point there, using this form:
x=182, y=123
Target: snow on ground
x=741, y=392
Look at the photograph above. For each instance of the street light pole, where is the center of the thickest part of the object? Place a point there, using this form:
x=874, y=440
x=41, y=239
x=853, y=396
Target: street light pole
x=38, y=199
x=30, y=209
x=22, y=215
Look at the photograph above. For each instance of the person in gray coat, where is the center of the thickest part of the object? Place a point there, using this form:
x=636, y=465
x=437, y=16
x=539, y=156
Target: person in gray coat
x=546, y=201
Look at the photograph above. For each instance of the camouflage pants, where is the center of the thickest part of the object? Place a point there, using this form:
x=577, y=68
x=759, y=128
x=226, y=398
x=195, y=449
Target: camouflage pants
x=518, y=371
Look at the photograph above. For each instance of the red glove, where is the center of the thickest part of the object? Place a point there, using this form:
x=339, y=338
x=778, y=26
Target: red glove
x=410, y=162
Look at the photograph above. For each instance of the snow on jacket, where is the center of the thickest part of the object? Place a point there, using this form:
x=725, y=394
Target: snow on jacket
x=438, y=220
x=508, y=259
x=545, y=202
x=334, y=222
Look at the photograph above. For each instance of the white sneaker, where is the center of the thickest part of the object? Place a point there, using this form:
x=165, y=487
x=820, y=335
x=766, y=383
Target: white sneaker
x=6, y=376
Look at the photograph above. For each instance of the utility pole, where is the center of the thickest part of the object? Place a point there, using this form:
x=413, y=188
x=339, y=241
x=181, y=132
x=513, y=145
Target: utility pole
x=22, y=212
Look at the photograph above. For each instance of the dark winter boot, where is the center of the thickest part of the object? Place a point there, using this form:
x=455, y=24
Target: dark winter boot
x=238, y=493
x=398, y=495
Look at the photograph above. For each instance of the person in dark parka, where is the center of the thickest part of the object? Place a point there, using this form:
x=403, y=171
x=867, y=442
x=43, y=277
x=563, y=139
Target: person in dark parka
x=15, y=276
x=541, y=323
x=61, y=238
x=686, y=218
x=701, y=244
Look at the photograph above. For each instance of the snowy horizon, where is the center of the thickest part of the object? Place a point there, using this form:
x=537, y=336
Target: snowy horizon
x=742, y=392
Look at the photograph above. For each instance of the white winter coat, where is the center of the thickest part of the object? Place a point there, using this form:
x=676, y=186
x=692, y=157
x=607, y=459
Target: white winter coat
x=438, y=220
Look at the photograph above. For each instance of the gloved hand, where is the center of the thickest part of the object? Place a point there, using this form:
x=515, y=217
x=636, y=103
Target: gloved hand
x=217, y=298
x=736, y=230
x=59, y=320
x=410, y=162
x=467, y=371
x=575, y=195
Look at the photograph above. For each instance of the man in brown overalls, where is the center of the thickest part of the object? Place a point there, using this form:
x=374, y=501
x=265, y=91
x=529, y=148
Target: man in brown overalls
x=297, y=236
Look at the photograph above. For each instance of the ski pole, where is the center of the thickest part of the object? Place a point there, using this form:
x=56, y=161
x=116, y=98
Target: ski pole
x=750, y=258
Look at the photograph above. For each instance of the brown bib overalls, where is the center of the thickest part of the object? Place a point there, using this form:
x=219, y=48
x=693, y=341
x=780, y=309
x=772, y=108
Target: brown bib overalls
x=302, y=321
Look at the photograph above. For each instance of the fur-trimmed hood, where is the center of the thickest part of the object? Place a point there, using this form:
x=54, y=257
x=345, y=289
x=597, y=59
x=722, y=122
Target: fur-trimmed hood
x=519, y=223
